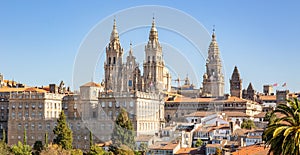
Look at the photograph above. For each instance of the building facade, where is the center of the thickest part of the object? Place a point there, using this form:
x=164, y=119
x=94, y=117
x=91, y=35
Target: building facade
x=36, y=112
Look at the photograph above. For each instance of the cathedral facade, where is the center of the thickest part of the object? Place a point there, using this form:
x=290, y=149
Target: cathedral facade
x=125, y=86
x=126, y=76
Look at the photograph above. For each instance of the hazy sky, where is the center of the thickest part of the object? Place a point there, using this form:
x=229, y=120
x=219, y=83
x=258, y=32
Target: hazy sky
x=39, y=40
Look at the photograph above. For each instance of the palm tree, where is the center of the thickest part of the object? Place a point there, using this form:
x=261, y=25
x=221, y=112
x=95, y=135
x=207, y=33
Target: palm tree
x=283, y=133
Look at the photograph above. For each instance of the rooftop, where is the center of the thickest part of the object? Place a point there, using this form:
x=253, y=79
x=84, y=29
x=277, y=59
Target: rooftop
x=252, y=149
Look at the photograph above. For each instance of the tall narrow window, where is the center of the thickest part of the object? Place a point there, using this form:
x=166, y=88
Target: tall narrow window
x=114, y=60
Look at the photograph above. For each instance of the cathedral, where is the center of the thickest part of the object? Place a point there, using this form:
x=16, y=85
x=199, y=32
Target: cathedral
x=126, y=76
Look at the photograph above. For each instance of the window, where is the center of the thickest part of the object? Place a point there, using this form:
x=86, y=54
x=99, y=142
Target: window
x=117, y=113
x=33, y=105
x=20, y=115
x=19, y=126
x=48, y=126
x=26, y=106
x=75, y=106
x=103, y=104
x=26, y=114
x=40, y=126
x=40, y=105
x=33, y=114
x=131, y=104
x=94, y=114
x=109, y=60
x=117, y=104
x=110, y=104
x=20, y=105
x=13, y=115
x=114, y=60
x=26, y=126
x=32, y=126
x=40, y=114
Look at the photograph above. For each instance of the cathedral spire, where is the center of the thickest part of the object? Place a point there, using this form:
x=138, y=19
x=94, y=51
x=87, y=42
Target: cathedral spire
x=114, y=34
x=153, y=32
x=213, y=34
x=130, y=50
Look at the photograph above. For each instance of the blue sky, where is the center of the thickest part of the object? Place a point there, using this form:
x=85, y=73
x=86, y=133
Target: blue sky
x=39, y=40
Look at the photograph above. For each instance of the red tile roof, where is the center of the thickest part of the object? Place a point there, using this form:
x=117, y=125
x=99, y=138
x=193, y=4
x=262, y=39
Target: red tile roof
x=252, y=149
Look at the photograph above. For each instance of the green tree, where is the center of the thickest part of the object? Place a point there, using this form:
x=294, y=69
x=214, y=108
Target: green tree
x=21, y=149
x=248, y=124
x=199, y=142
x=218, y=151
x=63, y=133
x=38, y=147
x=143, y=148
x=4, y=149
x=91, y=139
x=123, y=132
x=76, y=152
x=96, y=150
x=46, y=140
x=25, y=137
x=283, y=135
x=3, y=136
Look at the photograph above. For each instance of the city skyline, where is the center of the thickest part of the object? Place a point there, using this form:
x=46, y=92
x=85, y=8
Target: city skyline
x=40, y=42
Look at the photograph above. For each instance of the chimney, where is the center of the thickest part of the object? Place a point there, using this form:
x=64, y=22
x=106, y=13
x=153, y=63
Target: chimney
x=53, y=88
x=217, y=123
x=231, y=127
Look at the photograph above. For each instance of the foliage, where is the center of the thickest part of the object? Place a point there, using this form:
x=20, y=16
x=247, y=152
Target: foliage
x=124, y=150
x=218, y=151
x=283, y=135
x=96, y=150
x=54, y=149
x=21, y=149
x=46, y=139
x=143, y=148
x=248, y=124
x=38, y=147
x=270, y=117
x=199, y=142
x=3, y=136
x=76, y=152
x=123, y=132
x=25, y=137
x=63, y=132
x=91, y=139
x=4, y=149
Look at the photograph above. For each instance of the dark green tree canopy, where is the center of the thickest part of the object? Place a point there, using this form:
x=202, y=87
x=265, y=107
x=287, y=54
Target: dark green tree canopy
x=63, y=133
x=123, y=133
x=248, y=124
